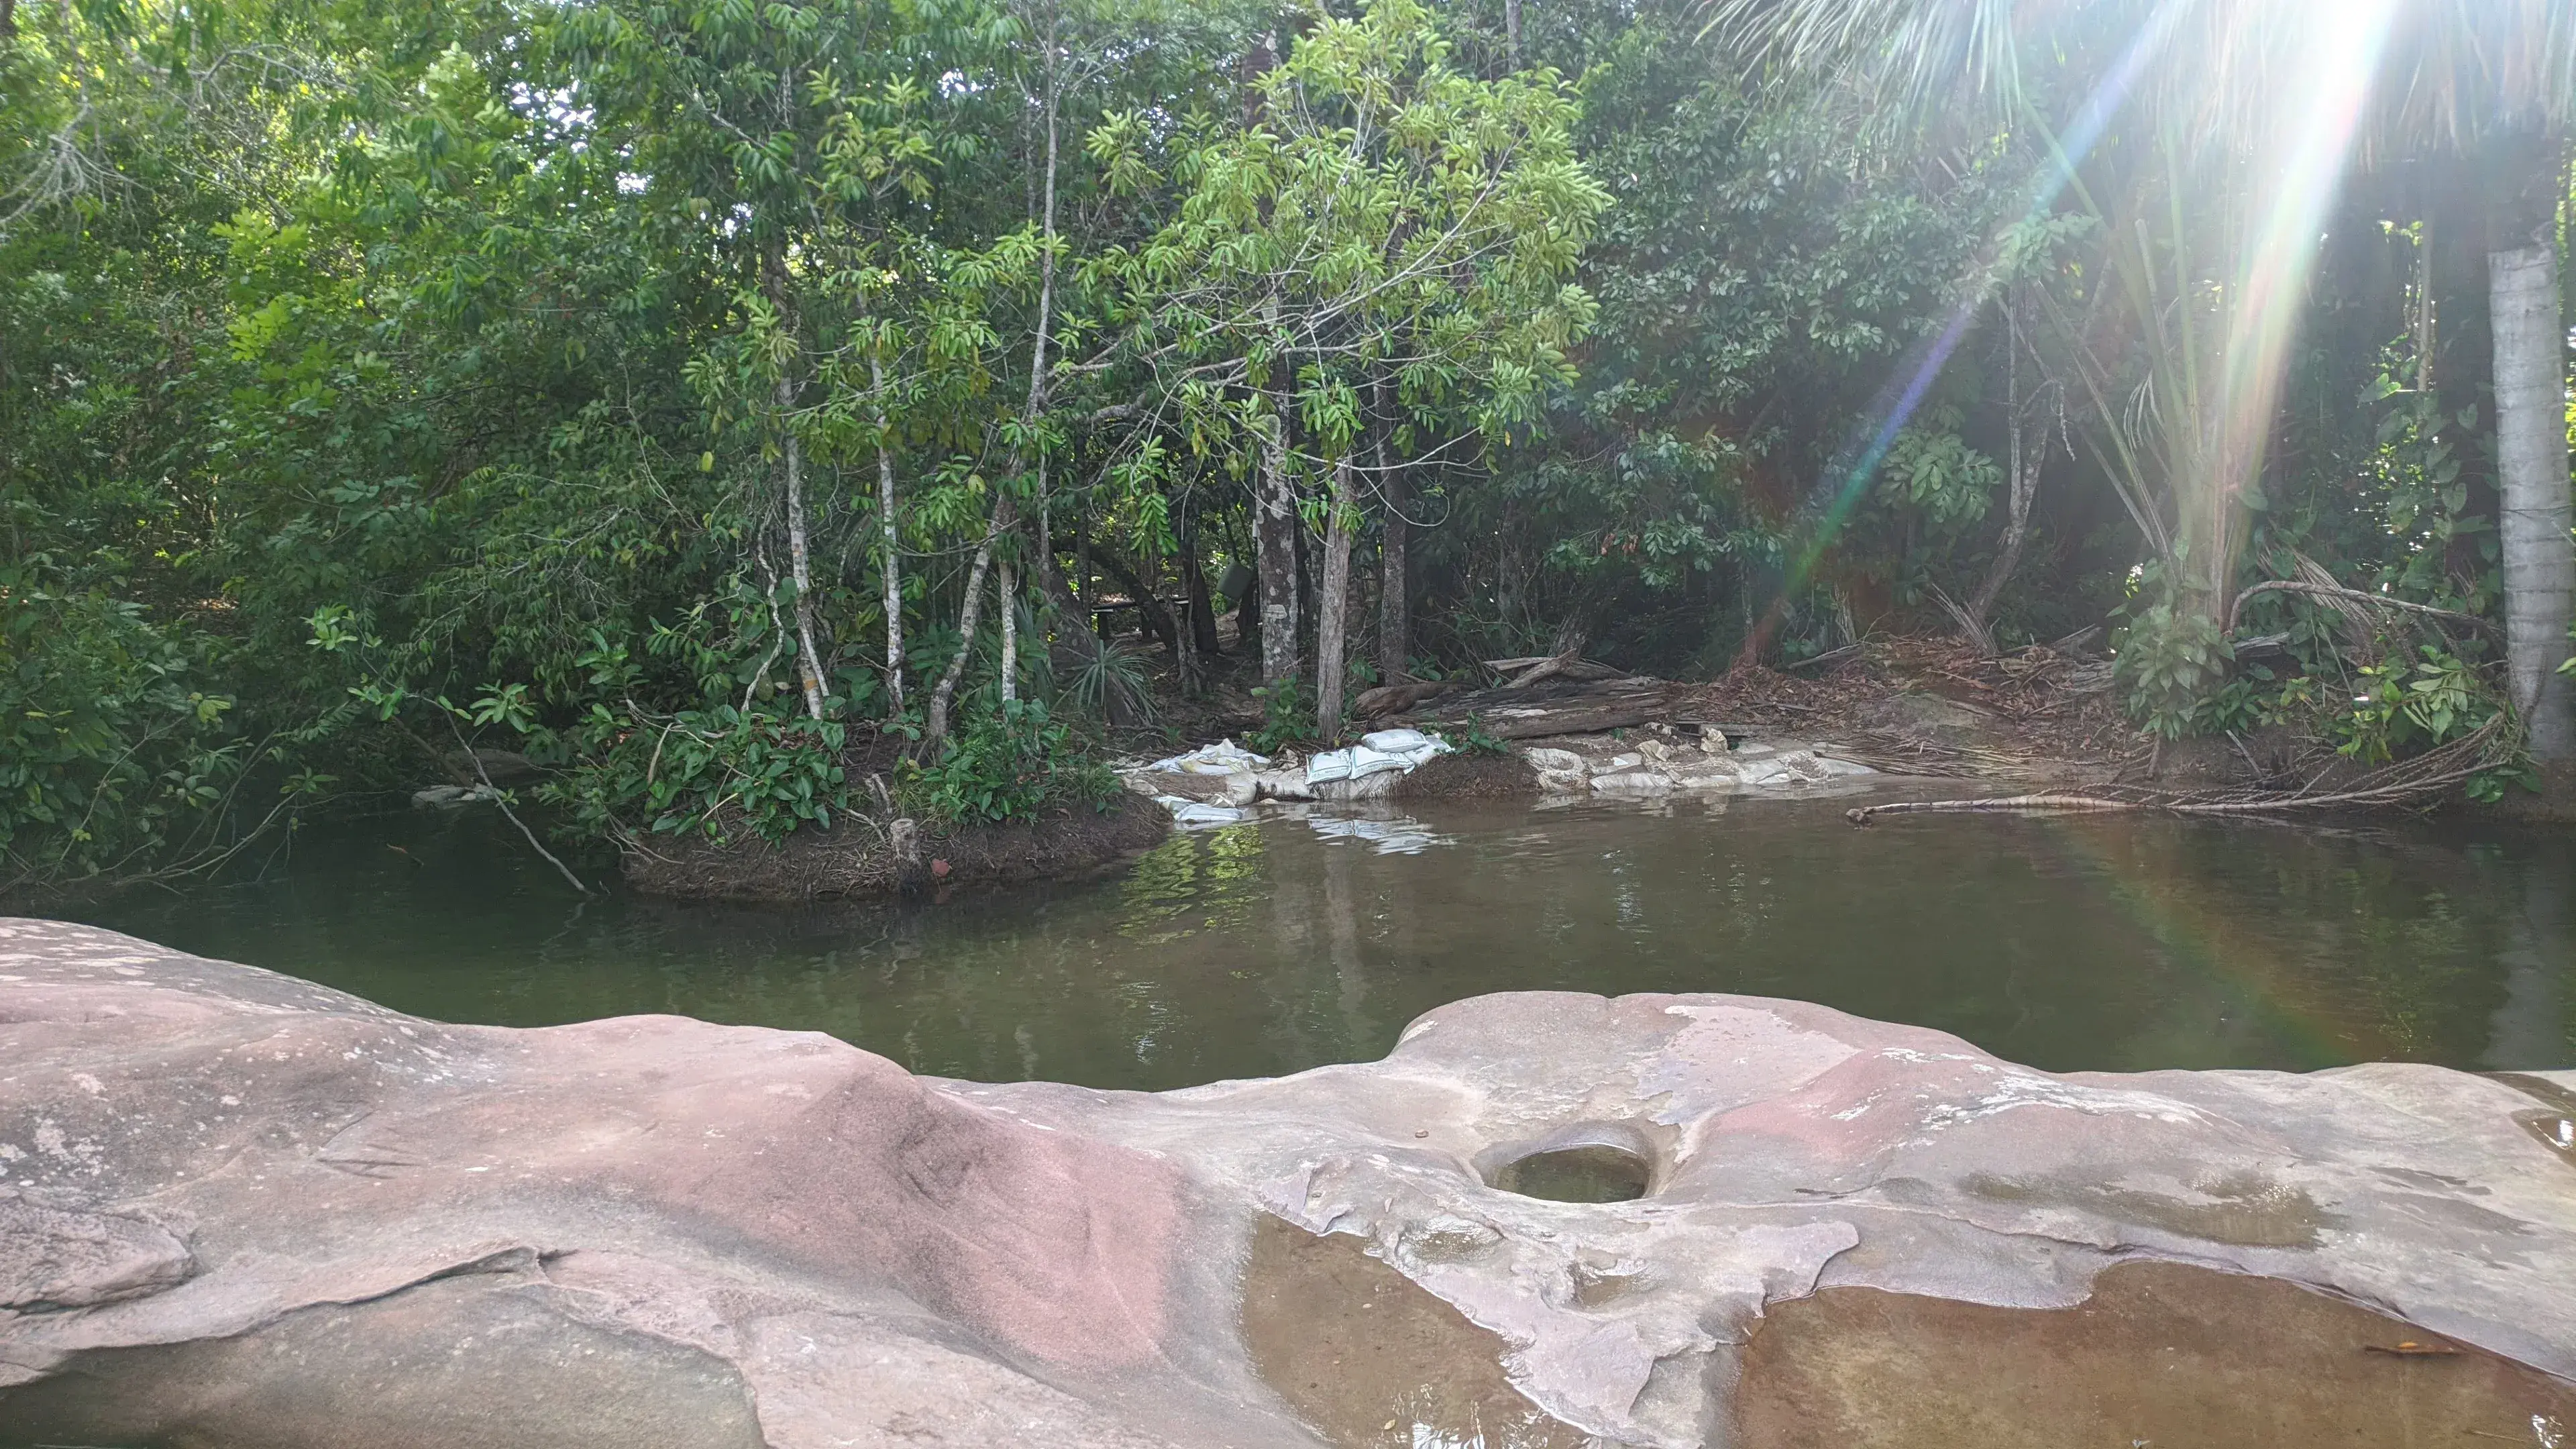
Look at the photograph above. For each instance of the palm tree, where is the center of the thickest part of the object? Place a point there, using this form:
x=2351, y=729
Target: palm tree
x=2487, y=81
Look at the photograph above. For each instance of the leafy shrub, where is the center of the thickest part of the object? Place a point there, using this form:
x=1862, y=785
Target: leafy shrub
x=1287, y=717
x=702, y=770
x=1009, y=764
x=2397, y=710
x=2169, y=661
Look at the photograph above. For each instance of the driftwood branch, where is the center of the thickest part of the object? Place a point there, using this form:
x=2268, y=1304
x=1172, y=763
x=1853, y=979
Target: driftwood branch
x=503, y=800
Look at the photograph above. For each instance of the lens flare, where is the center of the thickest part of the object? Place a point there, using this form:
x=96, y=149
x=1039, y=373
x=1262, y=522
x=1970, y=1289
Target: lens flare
x=2300, y=134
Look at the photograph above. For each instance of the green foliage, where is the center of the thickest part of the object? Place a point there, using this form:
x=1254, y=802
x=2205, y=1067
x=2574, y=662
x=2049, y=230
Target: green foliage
x=1012, y=763
x=1475, y=739
x=1934, y=471
x=2397, y=709
x=113, y=754
x=1287, y=717
x=2170, y=661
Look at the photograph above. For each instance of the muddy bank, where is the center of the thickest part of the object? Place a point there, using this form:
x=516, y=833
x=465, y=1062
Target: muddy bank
x=1471, y=777
x=865, y=858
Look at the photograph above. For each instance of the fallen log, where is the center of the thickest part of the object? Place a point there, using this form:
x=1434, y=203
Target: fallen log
x=1529, y=714
x=1397, y=698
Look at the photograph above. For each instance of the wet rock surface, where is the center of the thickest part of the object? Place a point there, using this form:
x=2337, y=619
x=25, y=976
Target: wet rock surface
x=237, y=1209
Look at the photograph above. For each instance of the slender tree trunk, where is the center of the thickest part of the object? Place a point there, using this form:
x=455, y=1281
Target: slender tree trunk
x=1512, y=31
x=967, y=620
x=2425, y=324
x=1009, y=605
x=1275, y=556
x=2022, y=469
x=889, y=539
x=1333, y=616
x=2531, y=467
x=799, y=556
x=1037, y=354
x=1202, y=606
x=1394, y=603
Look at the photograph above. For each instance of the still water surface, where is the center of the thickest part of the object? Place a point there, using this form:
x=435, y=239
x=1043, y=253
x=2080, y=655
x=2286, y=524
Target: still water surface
x=2080, y=943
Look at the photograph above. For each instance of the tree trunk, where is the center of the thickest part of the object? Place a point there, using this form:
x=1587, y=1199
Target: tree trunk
x=1037, y=355
x=889, y=539
x=1009, y=605
x=799, y=556
x=1202, y=605
x=1275, y=557
x=1333, y=617
x=1394, y=604
x=1512, y=31
x=2531, y=467
x=967, y=620
x=2022, y=465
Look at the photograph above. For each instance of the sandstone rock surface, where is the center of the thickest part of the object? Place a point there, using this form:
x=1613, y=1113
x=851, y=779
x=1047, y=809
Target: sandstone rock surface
x=236, y=1208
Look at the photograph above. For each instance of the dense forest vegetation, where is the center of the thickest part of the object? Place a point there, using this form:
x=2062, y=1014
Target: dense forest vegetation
x=743, y=409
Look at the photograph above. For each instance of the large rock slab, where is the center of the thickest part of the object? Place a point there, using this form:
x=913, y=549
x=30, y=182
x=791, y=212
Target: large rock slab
x=236, y=1208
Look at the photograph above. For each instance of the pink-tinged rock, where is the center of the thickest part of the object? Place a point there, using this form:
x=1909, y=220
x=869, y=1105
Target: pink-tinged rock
x=239, y=1209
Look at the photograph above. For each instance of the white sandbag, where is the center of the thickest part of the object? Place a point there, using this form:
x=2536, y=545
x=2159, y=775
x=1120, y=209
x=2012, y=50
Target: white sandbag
x=1366, y=761
x=1547, y=761
x=1222, y=758
x=1327, y=767
x=1398, y=742
x=1196, y=815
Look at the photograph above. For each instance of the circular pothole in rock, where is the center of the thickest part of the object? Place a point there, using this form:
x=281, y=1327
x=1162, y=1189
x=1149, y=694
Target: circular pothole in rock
x=1592, y=1172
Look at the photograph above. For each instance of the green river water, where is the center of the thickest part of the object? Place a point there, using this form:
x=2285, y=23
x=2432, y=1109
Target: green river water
x=2098, y=943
